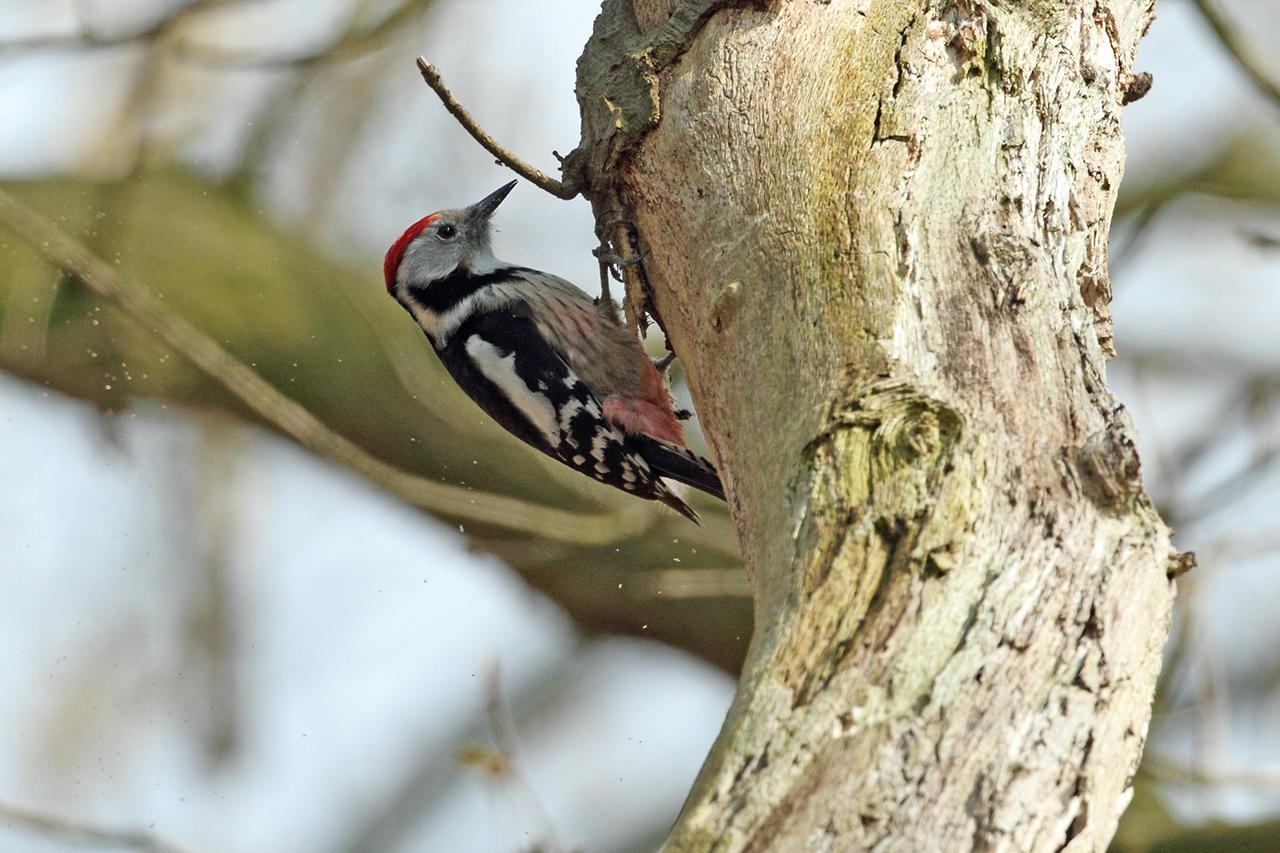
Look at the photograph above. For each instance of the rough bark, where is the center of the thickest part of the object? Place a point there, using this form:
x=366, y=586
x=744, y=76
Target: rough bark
x=876, y=236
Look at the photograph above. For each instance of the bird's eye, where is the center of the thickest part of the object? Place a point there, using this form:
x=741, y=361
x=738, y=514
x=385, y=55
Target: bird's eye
x=446, y=232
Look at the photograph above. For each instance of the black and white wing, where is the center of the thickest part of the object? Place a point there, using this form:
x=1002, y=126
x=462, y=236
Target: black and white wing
x=505, y=364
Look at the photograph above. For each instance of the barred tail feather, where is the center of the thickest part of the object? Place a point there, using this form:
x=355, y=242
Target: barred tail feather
x=681, y=465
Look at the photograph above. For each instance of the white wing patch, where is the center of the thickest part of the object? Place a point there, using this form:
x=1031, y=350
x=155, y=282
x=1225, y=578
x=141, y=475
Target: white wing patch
x=567, y=412
x=501, y=371
x=489, y=298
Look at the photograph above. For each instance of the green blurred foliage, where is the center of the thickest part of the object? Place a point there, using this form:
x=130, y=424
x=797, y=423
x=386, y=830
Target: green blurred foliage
x=327, y=335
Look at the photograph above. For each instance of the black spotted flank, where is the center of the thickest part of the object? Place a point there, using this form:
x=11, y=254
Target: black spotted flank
x=442, y=294
x=583, y=427
x=585, y=442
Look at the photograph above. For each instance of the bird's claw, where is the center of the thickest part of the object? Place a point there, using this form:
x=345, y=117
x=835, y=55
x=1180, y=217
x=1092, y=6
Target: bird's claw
x=663, y=363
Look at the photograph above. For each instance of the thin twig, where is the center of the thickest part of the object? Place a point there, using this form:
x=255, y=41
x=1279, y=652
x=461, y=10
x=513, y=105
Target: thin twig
x=82, y=833
x=1239, y=49
x=558, y=189
x=291, y=418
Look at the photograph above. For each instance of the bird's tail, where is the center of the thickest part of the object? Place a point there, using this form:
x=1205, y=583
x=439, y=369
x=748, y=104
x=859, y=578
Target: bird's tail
x=681, y=465
x=665, y=492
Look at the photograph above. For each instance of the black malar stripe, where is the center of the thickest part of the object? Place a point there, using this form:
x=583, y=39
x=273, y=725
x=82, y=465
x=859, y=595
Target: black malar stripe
x=441, y=295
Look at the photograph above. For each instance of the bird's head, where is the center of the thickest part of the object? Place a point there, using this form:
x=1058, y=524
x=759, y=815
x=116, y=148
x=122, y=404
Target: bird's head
x=438, y=245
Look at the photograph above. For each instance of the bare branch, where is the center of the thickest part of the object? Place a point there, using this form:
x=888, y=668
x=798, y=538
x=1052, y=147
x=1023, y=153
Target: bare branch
x=558, y=189
x=294, y=420
x=77, y=832
x=1239, y=49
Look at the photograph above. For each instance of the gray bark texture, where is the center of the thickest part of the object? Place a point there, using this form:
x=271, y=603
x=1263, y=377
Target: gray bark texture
x=875, y=233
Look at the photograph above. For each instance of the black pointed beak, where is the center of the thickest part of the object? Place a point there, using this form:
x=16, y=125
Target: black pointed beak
x=484, y=208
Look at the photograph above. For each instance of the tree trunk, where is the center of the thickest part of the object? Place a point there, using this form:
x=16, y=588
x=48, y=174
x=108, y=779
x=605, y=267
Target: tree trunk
x=875, y=233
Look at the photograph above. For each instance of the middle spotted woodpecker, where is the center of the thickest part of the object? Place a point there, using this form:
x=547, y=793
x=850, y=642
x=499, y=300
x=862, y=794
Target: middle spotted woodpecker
x=541, y=358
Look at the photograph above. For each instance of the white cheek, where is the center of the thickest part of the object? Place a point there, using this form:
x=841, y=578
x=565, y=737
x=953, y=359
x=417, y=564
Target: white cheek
x=428, y=259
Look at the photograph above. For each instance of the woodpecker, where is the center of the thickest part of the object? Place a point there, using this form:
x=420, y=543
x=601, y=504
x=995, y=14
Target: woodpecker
x=541, y=358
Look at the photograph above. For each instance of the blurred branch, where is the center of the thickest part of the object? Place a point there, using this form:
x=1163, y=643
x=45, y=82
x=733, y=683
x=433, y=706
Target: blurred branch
x=208, y=534
x=1144, y=217
x=349, y=46
x=693, y=583
x=87, y=39
x=36, y=287
x=1239, y=50
x=203, y=251
x=1163, y=769
x=390, y=823
x=502, y=728
x=559, y=189
x=1261, y=239
x=1229, y=417
x=294, y=420
x=82, y=833
x=1232, y=488
x=1241, y=546
x=1220, y=837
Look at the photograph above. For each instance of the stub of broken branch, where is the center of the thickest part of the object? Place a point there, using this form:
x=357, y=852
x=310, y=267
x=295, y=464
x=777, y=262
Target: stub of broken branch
x=1180, y=564
x=559, y=189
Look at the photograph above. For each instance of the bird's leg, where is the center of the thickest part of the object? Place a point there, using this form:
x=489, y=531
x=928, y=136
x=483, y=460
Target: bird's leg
x=619, y=241
x=604, y=302
x=615, y=222
x=622, y=264
x=662, y=364
x=611, y=264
